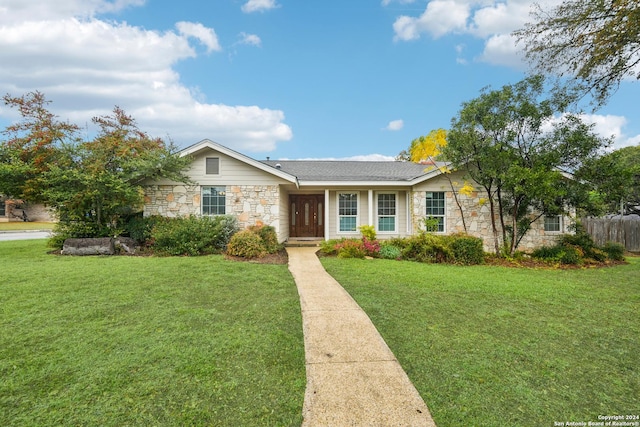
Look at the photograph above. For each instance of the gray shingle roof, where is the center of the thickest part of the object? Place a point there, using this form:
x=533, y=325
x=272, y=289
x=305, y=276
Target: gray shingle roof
x=337, y=170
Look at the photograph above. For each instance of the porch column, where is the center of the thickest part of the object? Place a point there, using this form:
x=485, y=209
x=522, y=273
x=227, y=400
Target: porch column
x=370, y=222
x=327, y=218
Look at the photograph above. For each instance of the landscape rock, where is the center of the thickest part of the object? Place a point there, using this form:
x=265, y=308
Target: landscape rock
x=89, y=246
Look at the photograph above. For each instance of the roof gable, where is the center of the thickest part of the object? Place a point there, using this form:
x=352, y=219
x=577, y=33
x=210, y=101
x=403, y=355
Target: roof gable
x=207, y=144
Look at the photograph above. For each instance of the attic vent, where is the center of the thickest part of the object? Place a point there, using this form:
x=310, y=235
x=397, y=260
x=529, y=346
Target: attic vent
x=278, y=165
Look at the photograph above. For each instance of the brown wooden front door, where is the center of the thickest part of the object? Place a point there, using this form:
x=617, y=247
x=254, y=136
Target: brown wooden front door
x=307, y=215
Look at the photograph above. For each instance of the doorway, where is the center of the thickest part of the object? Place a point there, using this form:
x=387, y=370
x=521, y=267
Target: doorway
x=307, y=215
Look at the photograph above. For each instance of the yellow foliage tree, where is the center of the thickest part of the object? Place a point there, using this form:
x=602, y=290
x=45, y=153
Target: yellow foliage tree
x=428, y=147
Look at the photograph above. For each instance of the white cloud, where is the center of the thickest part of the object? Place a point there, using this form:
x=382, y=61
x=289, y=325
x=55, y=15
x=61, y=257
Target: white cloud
x=259, y=6
x=439, y=18
x=490, y=20
x=250, y=39
x=86, y=66
x=359, y=158
x=206, y=36
x=395, y=125
x=609, y=126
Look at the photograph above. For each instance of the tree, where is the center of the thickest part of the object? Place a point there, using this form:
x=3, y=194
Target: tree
x=615, y=177
x=92, y=186
x=515, y=145
x=31, y=146
x=595, y=41
x=428, y=147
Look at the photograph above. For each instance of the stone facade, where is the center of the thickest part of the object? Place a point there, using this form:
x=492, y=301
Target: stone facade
x=477, y=218
x=250, y=204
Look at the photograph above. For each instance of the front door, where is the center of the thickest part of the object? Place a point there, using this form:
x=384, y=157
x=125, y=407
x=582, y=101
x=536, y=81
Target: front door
x=307, y=215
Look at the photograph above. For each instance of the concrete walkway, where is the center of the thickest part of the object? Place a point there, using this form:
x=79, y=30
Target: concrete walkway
x=353, y=378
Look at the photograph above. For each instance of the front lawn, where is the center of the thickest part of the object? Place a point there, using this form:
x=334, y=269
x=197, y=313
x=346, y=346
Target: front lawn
x=147, y=341
x=21, y=225
x=494, y=346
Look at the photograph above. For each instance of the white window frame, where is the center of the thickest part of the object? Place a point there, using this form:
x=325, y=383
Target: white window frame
x=444, y=207
x=558, y=222
x=357, y=215
x=202, y=205
x=395, y=215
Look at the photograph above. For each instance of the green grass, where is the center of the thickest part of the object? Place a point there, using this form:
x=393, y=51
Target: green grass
x=493, y=346
x=116, y=341
x=20, y=225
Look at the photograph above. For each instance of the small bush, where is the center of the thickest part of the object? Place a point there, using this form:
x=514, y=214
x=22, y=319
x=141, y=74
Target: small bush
x=388, y=251
x=467, y=250
x=368, y=232
x=371, y=247
x=193, y=235
x=428, y=248
x=329, y=247
x=269, y=237
x=64, y=230
x=614, y=251
x=246, y=244
x=350, y=248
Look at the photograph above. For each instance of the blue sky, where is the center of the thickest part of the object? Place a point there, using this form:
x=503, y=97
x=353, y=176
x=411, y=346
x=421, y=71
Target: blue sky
x=279, y=78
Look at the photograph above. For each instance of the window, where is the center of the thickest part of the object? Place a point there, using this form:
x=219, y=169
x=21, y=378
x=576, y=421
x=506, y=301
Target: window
x=435, y=210
x=348, y=212
x=386, y=212
x=3, y=212
x=552, y=223
x=213, y=166
x=213, y=200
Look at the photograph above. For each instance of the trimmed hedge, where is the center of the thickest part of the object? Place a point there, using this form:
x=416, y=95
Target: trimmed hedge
x=193, y=235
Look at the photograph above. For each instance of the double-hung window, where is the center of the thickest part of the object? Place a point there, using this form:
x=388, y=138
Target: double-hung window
x=386, y=213
x=213, y=200
x=552, y=223
x=436, y=210
x=347, y=212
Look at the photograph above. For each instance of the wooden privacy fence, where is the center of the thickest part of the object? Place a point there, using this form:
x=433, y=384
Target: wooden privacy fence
x=624, y=231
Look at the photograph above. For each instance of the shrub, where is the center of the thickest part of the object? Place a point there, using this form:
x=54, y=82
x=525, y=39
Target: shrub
x=269, y=237
x=371, y=247
x=350, y=248
x=368, y=232
x=329, y=247
x=193, y=235
x=246, y=244
x=564, y=254
x=428, y=248
x=388, y=251
x=614, y=251
x=140, y=228
x=467, y=250
x=581, y=240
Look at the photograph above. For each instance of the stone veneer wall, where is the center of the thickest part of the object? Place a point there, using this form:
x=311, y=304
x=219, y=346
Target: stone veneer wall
x=251, y=204
x=477, y=217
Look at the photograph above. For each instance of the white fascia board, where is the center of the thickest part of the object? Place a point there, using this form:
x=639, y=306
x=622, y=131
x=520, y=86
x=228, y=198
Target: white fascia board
x=206, y=143
x=365, y=184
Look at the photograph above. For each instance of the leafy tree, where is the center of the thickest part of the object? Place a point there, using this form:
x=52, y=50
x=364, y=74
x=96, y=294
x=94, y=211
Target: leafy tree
x=31, y=146
x=515, y=144
x=428, y=147
x=616, y=178
x=595, y=41
x=92, y=186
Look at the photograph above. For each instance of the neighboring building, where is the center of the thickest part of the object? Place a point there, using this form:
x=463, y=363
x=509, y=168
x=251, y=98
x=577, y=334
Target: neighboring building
x=329, y=199
x=18, y=210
